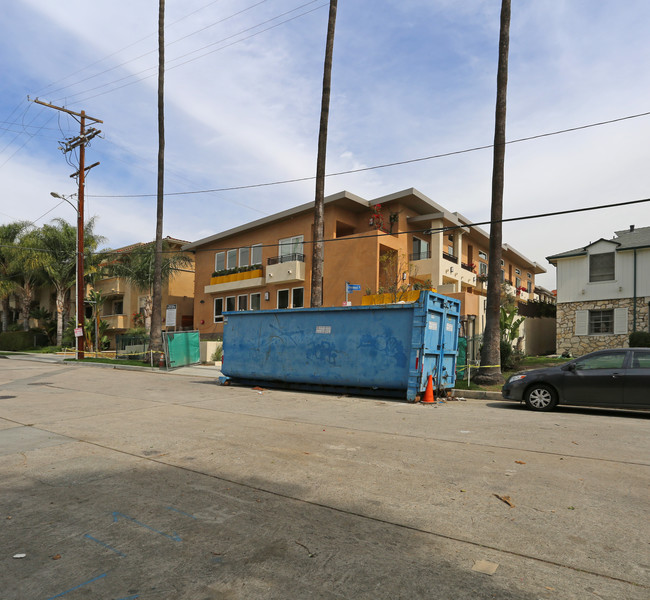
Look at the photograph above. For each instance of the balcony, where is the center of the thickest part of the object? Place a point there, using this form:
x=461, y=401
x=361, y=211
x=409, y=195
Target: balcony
x=116, y=321
x=235, y=281
x=467, y=267
x=420, y=256
x=450, y=258
x=112, y=286
x=288, y=268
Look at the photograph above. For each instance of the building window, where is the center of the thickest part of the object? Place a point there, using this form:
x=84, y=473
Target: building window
x=518, y=282
x=291, y=246
x=231, y=259
x=231, y=303
x=244, y=254
x=503, y=263
x=529, y=287
x=118, y=307
x=256, y=254
x=518, y=271
x=298, y=297
x=503, y=276
x=256, y=301
x=242, y=302
x=420, y=249
x=482, y=268
x=142, y=304
x=601, y=267
x=219, y=261
x=482, y=255
x=529, y=275
x=283, y=298
x=601, y=321
x=218, y=310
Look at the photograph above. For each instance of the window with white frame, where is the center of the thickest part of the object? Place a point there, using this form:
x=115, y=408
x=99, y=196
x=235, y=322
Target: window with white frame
x=291, y=247
x=482, y=255
x=283, y=298
x=244, y=254
x=256, y=254
x=219, y=261
x=256, y=301
x=529, y=287
x=529, y=276
x=602, y=322
x=602, y=267
x=298, y=297
x=231, y=303
x=231, y=259
x=518, y=271
x=242, y=302
x=517, y=282
x=482, y=268
x=218, y=310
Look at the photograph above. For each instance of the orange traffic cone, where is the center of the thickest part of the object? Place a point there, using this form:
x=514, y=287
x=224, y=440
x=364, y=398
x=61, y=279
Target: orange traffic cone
x=428, y=393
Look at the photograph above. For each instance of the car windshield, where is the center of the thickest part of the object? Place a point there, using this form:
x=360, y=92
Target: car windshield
x=601, y=361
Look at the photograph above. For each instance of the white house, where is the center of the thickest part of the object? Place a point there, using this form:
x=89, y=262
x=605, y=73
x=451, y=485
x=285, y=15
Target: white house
x=603, y=291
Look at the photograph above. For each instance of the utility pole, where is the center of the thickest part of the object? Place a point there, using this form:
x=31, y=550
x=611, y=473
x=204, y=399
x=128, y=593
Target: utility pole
x=79, y=142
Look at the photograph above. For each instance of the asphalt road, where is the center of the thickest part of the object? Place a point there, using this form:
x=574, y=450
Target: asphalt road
x=120, y=485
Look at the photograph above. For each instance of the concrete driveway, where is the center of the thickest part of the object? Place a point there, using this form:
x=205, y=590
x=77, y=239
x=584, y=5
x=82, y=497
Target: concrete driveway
x=120, y=484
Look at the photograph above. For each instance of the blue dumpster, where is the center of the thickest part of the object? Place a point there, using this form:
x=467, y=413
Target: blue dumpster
x=388, y=349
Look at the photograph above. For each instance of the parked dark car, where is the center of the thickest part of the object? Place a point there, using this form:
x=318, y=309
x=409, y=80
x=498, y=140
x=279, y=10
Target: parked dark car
x=618, y=378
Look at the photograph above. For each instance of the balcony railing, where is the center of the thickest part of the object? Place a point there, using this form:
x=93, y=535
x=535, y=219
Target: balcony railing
x=276, y=260
x=450, y=258
x=425, y=254
x=467, y=267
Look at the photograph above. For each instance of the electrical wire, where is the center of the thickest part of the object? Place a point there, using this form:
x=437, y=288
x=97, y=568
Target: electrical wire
x=385, y=165
x=427, y=230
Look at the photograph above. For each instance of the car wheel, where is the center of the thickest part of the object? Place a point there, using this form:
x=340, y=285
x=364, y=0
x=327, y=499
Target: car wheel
x=541, y=397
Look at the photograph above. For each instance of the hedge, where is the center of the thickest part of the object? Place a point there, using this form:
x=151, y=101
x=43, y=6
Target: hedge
x=15, y=341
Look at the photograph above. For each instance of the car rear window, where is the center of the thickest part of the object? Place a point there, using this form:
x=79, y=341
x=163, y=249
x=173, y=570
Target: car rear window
x=601, y=361
x=641, y=359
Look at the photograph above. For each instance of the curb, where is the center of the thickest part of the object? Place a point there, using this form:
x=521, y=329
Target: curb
x=477, y=394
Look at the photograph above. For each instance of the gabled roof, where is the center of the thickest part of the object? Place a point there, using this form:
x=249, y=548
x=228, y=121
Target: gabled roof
x=627, y=239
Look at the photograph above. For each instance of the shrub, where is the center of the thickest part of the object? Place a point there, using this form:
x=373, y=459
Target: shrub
x=510, y=359
x=217, y=355
x=14, y=341
x=640, y=339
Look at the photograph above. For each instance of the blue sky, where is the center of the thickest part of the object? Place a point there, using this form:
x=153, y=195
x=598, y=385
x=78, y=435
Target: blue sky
x=411, y=78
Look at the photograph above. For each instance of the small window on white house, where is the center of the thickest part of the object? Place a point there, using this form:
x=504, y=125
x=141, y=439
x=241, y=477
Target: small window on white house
x=601, y=321
x=601, y=267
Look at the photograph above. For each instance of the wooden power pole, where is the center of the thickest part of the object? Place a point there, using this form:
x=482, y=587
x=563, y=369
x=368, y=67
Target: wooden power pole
x=85, y=135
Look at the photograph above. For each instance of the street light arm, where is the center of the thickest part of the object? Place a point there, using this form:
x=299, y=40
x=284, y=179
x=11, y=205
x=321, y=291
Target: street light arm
x=65, y=199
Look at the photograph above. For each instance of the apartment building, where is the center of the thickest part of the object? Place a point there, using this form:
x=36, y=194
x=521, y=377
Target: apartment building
x=125, y=306
x=401, y=241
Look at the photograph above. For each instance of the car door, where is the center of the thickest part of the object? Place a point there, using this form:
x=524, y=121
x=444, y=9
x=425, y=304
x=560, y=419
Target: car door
x=637, y=379
x=595, y=379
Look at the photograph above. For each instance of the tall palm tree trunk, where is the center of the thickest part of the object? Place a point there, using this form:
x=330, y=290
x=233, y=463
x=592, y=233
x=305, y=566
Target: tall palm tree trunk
x=319, y=209
x=156, y=315
x=490, y=353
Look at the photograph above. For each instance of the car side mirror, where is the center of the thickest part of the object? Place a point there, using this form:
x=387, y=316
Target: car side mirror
x=571, y=367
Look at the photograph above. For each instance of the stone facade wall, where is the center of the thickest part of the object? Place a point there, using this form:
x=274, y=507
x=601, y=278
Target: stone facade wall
x=577, y=345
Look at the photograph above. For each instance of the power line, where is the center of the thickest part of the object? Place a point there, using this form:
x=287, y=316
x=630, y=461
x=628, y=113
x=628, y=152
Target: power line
x=85, y=99
x=427, y=230
x=382, y=166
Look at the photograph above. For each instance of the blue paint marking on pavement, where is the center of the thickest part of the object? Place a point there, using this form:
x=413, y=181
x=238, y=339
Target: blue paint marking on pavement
x=104, y=544
x=174, y=537
x=76, y=587
x=181, y=512
x=130, y=597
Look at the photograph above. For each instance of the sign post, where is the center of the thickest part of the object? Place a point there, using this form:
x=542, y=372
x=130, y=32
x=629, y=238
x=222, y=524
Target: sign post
x=349, y=288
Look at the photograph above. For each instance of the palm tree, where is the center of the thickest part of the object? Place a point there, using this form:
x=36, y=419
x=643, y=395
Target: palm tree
x=9, y=236
x=490, y=352
x=59, y=262
x=27, y=264
x=156, y=322
x=137, y=267
x=319, y=209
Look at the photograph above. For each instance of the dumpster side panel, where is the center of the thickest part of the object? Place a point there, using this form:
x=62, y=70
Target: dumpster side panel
x=368, y=347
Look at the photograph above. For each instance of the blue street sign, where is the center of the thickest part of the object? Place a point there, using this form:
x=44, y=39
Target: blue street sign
x=354, y=287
